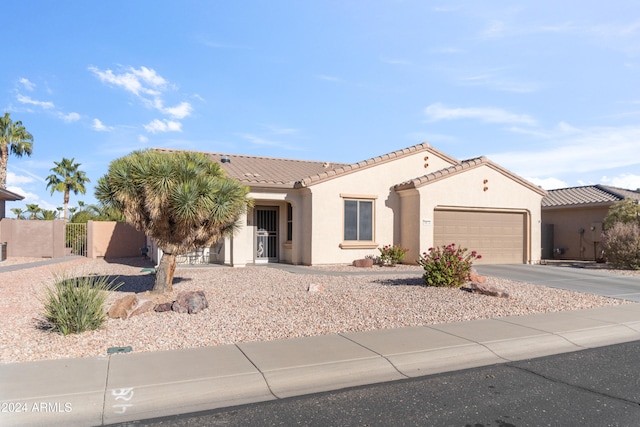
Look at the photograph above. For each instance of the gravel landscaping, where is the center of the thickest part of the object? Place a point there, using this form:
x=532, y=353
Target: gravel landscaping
x=255, y=304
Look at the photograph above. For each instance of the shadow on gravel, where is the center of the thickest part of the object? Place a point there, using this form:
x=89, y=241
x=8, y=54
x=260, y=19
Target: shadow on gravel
x=401, y=281
x=139, y=284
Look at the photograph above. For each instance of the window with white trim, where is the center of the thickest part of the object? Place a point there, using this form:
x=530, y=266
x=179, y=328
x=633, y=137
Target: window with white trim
x=358, y=220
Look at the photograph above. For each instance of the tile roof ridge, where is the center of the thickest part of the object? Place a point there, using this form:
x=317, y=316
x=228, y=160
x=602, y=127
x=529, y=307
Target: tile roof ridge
x=248, y=156
x=345, y=168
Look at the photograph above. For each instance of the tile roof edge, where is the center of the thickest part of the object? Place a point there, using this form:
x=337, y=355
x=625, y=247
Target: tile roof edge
x=383, y=158
x=462, y=167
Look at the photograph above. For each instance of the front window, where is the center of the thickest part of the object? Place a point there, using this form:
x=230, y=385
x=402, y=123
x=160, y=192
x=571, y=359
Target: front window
x=358, y=220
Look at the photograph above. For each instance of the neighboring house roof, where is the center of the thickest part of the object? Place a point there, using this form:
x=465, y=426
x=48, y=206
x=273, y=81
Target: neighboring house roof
x=588, y=195
x=287, y=173
x=463, y=166
x=9, y=196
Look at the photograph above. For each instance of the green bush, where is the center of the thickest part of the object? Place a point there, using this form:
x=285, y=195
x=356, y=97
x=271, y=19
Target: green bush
x=621, y=244
x=447, y=265
x=75, y=304
x=392, y=255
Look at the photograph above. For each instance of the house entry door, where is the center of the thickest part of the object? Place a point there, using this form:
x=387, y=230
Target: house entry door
x=266, y=234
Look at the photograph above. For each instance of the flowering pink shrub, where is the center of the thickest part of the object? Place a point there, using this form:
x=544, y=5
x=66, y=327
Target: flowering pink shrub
x=621, y=243
x=391, y=255
x=447, y=265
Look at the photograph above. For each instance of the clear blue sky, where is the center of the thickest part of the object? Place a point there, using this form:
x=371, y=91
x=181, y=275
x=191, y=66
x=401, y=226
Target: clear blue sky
x=547, y=89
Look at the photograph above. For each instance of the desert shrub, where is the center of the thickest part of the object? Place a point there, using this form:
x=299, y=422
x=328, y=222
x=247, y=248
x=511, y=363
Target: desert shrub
x=621, y=244
x=391, y=255
x=447, y=265
x=626, y=210
x=75, y=304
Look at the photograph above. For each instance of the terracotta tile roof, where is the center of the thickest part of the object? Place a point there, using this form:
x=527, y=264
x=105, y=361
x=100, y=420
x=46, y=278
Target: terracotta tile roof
x=267, y=171
x=462, y=167
x=587, y=195
x=287, y=173
x=9, y=195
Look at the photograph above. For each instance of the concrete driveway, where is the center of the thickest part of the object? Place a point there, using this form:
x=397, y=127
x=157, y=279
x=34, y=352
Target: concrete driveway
x=583, y=280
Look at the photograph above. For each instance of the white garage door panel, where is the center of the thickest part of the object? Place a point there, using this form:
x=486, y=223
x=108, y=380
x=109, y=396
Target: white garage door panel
x=498, y=236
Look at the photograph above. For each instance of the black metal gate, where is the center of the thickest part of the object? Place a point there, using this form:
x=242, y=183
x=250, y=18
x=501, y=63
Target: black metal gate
x=266, y=234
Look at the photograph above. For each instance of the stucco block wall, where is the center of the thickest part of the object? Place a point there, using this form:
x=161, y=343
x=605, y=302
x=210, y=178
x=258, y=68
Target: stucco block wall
x=567, y=235
x=39, y=239
x=110, y=239
x=467, y=189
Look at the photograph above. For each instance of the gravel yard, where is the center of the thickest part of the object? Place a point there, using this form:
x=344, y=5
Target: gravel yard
x=256, y=304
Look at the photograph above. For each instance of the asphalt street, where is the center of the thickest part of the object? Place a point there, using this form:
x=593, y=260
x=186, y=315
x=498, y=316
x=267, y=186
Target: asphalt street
x=595, y=387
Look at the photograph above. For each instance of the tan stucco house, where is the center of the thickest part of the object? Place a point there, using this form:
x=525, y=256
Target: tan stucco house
x=314, y=213
x=573, y=220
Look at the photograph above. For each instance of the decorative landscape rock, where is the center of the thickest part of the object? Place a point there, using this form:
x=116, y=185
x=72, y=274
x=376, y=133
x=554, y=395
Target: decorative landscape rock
x=485, y=289
x=476, y=278
x=190, y=302
x=129, y=305
x=121, y=308
x=143, y=305
x=363, y=263
x=314, y=287
x=165, y=306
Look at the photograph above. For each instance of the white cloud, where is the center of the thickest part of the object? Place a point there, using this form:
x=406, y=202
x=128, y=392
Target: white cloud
x=28, y=85
x=97, y=125
x=143, y=139
x=576, y=151
x=70, y=117
x=27, y=100
x=147, y=85
x=436, y=112
x=179, y=111
x=163, y=126
x=629, y=181
x=13, y=179
x=136, y=81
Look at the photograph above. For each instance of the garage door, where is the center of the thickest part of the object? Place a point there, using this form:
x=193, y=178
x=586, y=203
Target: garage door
x=498, y=236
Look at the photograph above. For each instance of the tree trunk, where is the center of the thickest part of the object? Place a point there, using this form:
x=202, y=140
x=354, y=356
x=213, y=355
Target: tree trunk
x=164, y=274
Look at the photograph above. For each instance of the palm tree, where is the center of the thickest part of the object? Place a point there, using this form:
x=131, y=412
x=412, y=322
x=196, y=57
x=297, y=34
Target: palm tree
x=48, y=215
x=18, y=212
x=66, y=177
x=33, y=209
x=14, y=139
x=181, y=200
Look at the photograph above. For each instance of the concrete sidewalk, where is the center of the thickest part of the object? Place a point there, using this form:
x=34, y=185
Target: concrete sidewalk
x=125, y=387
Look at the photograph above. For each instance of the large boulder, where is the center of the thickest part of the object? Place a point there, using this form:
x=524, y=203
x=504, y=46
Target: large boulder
x=363, y=263
x=190, y=302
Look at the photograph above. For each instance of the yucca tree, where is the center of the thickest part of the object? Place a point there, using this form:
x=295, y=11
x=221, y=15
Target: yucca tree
x=181, y=200
x=14, y=139
x=67, y=177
